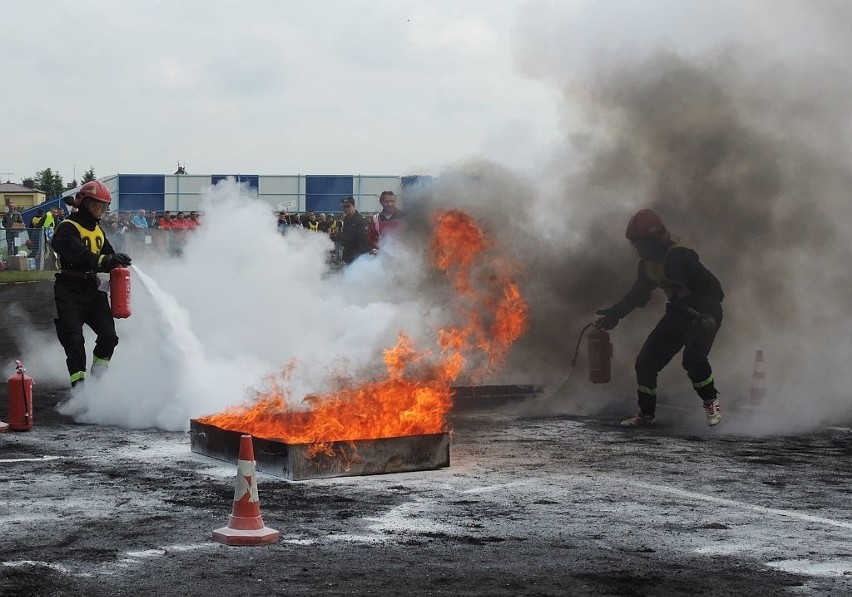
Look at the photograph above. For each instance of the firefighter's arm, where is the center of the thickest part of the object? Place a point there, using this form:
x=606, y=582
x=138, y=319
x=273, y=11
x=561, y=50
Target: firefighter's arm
x=68, y=244
x=109, y=259
x=638, y=296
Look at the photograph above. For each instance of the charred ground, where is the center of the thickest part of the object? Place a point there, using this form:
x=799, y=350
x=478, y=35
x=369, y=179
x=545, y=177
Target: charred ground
x=530, y=505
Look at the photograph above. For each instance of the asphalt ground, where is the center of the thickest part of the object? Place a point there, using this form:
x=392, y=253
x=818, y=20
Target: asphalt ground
x=531, y=505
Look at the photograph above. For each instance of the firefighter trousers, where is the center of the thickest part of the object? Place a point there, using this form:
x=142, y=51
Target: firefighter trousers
x=676, y=331
x=79, y=302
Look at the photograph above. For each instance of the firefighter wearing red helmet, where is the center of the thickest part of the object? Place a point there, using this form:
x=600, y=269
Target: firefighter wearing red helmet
x=693, y=315
x=82, y=251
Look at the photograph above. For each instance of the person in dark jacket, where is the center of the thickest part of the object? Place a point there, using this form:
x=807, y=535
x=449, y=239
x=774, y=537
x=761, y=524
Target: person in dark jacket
x=353, y=237
x=83, y=250
x=693, y=315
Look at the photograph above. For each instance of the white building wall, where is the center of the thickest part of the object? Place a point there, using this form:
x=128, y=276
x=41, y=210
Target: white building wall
x=368, y=188
x=184, y=192
x=282, y=192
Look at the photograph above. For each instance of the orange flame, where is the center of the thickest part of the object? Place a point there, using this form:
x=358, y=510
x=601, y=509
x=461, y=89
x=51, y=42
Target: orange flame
x=415, y=395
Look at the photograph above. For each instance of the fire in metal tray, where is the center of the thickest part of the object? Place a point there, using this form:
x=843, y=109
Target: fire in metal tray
x=411, y=401
x=297, y=462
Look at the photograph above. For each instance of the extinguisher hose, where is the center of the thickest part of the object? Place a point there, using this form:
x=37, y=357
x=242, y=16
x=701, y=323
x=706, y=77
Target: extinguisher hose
x=24, y=396
x=579, y=340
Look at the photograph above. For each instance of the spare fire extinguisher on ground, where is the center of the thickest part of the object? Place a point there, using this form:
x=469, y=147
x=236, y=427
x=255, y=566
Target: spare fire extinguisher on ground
x=600, y=357
x=119, y=292
x=20, y=387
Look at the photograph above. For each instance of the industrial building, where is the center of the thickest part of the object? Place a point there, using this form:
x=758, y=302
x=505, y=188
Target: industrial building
x=294, y=193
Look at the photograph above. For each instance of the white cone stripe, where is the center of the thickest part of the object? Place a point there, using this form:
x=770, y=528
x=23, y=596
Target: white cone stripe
x=246, y=482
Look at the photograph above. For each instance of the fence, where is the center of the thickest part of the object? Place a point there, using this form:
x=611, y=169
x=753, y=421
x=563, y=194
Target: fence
x=28, y=249
x=24, y=249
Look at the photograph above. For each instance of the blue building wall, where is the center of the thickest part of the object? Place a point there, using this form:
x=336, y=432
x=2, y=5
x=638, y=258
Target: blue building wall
x=320, y=193
x=142, y=191
x=323, y=193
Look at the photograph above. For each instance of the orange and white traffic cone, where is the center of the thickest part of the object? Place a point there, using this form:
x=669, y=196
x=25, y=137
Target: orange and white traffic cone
x=758, y=381
x=245, y=526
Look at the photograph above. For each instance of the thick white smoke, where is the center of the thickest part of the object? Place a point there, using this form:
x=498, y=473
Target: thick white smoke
x=244, y=302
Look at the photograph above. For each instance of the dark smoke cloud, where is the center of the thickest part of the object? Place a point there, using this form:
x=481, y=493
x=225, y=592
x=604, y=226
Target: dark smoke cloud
x=745, y=153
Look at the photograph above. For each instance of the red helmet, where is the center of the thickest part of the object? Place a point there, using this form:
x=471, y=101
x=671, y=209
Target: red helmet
x=94, y=189
x=95, y=197
x=647, y=224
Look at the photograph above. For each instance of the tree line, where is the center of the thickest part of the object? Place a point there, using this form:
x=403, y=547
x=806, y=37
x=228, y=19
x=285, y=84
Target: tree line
x=51, y=184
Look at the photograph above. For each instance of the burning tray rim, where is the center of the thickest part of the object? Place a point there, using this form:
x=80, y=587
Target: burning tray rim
x=342, y=458
x=331, y=441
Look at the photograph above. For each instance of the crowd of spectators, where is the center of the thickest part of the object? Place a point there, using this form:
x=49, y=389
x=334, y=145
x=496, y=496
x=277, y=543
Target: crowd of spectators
x=149, y=232
x=165, y=233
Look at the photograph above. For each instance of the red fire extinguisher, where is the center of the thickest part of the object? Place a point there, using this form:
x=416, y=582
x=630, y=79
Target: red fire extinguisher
x=600, y=355
x=119, y=292
x=20, y=399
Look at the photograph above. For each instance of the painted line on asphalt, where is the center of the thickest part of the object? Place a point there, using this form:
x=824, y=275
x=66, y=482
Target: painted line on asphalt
x=742, y=505
x=42, y=459
x=846, y=429
x=830, y=568
x=52, y=566
x=498, y=487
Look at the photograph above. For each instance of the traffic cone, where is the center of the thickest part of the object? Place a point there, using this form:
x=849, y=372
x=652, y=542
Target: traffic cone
x=758, y=381
x=245, y=526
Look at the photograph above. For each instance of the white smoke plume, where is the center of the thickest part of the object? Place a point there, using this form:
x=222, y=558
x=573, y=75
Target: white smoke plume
x=244, y=302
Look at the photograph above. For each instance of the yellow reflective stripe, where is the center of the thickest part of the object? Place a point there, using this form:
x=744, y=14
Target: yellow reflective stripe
x=701, y=384
x=98, y=361
x=644, y=390
x=78, y=376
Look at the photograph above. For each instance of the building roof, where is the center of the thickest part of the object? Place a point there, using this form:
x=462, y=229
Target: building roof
x=11, y=187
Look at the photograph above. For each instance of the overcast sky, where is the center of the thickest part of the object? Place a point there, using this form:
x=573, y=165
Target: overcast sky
x=314, y=87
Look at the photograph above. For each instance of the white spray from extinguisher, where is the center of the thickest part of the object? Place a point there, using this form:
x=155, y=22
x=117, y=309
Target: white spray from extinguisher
x=174, y=327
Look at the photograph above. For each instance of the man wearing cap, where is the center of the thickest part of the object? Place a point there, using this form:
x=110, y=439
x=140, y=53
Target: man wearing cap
x=353, y=237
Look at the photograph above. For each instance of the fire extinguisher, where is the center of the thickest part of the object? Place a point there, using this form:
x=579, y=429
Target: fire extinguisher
x=600, y=356
x=20, y=399
x=119, y=292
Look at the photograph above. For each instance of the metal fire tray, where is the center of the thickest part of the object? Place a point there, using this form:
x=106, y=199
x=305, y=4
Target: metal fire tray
x=466, y=398
x=342, y=459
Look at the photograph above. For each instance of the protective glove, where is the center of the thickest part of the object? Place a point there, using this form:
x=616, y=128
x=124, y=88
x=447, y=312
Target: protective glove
x=702, y=321
x=115, y=260
x=608, y=321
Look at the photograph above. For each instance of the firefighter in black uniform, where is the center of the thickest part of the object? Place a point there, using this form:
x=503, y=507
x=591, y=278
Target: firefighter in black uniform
x=693, y=315
x=83, y=250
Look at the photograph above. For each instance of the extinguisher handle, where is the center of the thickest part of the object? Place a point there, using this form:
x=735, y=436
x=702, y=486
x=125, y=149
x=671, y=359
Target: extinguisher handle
x=19, y=367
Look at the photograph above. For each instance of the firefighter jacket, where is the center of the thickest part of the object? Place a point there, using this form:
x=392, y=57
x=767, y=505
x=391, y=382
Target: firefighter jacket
x=686, y=282
x=80, y=243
